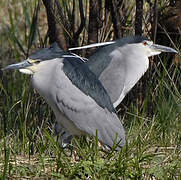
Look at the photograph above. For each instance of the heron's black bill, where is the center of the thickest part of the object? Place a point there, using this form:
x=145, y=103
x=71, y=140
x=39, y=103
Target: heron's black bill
x=20, y=65
x=163, y=48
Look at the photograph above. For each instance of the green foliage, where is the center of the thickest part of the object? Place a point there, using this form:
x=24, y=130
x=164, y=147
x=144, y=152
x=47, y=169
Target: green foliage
x=152, y=150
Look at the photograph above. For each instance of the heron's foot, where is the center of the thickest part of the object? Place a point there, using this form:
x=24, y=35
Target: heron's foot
x=64, y=137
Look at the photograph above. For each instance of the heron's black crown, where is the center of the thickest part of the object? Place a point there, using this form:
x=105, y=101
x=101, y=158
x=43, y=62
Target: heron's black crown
x=52, y=52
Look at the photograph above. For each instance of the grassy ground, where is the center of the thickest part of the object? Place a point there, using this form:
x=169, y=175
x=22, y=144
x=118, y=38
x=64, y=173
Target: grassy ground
x=28, y=149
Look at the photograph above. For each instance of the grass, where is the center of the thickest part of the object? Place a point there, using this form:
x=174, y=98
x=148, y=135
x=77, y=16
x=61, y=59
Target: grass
x=28, y=149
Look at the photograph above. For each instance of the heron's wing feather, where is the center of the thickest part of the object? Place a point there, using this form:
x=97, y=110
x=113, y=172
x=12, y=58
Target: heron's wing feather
x=120, y=42
x=109, y=63
x=113, y=77
x=110, y=68
x=80, y=75
x=88, y=116
x=80, y=107
x=93, y=45
x=118, y=66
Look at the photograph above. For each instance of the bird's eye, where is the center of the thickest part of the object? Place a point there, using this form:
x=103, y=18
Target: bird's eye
x=36, y=62
x=33, y=61
x=145, y=43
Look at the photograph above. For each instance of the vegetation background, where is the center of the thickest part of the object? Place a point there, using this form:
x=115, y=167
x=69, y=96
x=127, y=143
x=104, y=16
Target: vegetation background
x=151, y=112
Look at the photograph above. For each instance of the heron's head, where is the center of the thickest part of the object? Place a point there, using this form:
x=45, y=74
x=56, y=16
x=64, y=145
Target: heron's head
x=38, y=60
x=151, y=49
x=28, y=66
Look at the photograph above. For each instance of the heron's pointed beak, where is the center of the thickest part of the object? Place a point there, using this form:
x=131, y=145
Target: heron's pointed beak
x=21, y=65
x=161, y=48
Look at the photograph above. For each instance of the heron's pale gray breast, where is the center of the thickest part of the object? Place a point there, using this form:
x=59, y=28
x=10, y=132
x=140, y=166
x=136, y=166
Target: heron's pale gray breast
x=136, y=64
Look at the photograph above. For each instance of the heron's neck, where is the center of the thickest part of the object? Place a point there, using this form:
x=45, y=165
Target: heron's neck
x=43, y=81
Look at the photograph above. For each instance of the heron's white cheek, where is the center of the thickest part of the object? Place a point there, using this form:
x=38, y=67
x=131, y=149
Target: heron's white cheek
x=153, y=53
x=25, y=71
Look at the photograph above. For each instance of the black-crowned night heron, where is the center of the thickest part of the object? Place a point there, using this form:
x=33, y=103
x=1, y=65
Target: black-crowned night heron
x=78, y=99
x=119, y=65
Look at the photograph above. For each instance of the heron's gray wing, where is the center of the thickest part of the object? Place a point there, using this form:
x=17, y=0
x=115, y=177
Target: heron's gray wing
x=87, y=82
x=113, y=72
x=134, y=65
x=116, y=68
x=78, y=104
x=110, y=65
x=88, y=116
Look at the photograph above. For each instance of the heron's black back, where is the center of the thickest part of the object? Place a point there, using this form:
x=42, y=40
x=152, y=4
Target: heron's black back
x=87, y=82
x=52, y=52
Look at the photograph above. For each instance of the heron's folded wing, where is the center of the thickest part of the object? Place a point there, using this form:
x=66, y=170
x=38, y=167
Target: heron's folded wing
x=109, y=65
x=84, y=101
x=88, y=116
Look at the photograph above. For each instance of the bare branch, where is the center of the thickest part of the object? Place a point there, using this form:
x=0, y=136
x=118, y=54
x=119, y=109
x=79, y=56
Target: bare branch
x=116, y=17
x=82, y=24
x=93, y=23
x=55, y=31
x=139, y=17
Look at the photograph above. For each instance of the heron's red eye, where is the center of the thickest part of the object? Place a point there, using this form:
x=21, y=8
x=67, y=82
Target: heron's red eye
x=145, y=43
